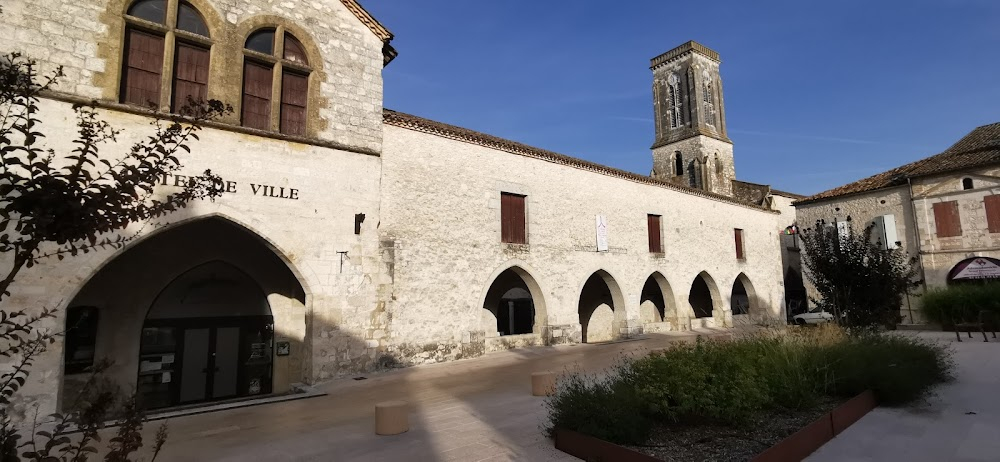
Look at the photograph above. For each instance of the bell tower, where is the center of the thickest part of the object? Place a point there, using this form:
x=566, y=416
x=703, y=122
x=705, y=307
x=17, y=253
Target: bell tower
x=691, y=146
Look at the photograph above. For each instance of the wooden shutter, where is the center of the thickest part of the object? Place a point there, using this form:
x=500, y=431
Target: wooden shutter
x=739, y=244
x=947, y=219
x=190, y=75
x=512, y=227
x=257, y=80
x=294, y=92
x=143, y=66
x=655, y=244
x=993, y=212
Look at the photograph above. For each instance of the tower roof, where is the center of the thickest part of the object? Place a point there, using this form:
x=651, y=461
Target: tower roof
x=687, y=47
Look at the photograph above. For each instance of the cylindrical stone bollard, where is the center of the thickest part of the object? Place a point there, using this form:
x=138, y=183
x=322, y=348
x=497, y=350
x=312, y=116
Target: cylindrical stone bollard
x=543, y=383
x=392, y=417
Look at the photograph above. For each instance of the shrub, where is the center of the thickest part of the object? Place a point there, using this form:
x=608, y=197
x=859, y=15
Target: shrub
x=707, y=381
x=608, y=408
x=961, y=303
x=900, y=369
x=729, y=382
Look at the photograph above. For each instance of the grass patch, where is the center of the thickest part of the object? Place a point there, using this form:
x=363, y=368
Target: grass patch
x=961, y=303
x=732, y=381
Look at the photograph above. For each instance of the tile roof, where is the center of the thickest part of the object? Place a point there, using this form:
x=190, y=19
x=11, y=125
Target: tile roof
x=980, y=147
x=411, y=122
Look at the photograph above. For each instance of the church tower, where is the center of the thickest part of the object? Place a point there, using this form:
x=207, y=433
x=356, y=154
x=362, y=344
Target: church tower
x=691, y=146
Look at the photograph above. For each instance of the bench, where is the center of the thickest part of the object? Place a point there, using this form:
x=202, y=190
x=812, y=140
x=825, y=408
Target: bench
x=984, y=318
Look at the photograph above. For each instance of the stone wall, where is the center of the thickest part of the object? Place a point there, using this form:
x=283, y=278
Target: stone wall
x=940, y=254
x=441, y=211
x=345, y=275
x=86, y=38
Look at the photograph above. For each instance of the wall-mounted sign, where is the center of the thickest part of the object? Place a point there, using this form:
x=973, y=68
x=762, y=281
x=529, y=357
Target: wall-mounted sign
x=283, y=348
x=602, y=233
x=975, y=268
x=262, y=190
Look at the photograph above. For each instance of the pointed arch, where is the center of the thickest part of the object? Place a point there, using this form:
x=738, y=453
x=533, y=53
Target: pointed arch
x=743, y=298
x=656, y=302
x=704, y=297
x=601, y=308
x=513, y=287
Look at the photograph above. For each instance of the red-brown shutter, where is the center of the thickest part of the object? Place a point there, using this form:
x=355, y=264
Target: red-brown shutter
x=257, y=95
x=655, y=244
x=190, y=75
x=993, y=212
x=947, y=219
x=739, y=244
x=512, y=229
x=143, y=65
x=294, y=92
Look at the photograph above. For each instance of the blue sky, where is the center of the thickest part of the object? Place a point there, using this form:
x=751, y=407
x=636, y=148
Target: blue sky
x=817, y=94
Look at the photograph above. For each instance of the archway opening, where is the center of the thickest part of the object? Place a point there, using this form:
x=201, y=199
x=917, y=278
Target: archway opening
x=652, y=307
x=201, y=311
x=701, y=297
x=796, y=300
x=509, y=305
x=743, y=297
x=601, y=308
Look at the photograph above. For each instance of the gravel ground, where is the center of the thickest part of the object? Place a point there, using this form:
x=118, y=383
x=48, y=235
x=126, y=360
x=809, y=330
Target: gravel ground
x=704, y=443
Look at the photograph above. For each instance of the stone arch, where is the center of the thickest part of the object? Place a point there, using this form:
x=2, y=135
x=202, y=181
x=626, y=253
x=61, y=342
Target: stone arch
x=209, y=255
x=525, y=303
x=743, y=298
x=704, y=297
x=656, y=302
x=601, y=308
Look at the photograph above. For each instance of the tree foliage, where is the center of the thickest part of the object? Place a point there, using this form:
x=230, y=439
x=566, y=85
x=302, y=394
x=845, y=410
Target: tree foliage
x=57, y=204
x=858, y=280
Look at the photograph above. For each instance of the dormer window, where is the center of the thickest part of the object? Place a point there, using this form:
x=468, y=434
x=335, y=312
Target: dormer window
x=275, y=80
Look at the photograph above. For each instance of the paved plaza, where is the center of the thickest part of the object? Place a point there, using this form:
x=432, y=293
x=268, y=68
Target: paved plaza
x=482, y=410
x=961, y=424
x=473, y=410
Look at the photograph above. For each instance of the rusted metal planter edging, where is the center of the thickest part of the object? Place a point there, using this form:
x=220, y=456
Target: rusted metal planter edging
x=797, y=446
x=800, y=444
x=588, y=448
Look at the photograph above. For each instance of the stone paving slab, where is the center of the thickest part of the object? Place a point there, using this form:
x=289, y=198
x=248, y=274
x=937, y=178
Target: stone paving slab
x=473, y=410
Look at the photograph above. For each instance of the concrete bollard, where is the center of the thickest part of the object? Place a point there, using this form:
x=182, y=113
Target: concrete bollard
x=392, y=418
x=543, y=383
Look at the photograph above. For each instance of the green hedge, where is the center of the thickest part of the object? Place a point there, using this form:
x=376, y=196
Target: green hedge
x=961, y=303
x=730, y=381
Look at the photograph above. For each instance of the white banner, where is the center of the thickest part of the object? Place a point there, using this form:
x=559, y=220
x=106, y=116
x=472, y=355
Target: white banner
x=602, y=233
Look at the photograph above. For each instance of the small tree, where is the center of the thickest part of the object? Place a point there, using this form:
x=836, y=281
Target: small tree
x=858, y=280
x=59, y=204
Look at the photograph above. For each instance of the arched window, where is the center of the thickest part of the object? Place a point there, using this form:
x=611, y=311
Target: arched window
x=275, y=78
x=154, y=76
x=80, y=338
x=967, y=183
x=678, y=164
x=709, y=103
x=674, y=101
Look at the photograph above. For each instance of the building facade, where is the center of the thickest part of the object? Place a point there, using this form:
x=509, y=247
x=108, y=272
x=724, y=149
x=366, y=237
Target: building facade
x=353, y=238
x=943, y=209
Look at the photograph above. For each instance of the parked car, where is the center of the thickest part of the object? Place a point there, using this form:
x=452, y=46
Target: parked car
x=813, y=316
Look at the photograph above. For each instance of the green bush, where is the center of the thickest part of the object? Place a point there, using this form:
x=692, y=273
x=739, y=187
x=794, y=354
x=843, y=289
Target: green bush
x=898, y=368
x=730, y=381
x=608, y=408
x=707, y=381
x=961, y=303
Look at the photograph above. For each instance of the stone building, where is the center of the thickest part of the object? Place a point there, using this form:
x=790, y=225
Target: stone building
x=944, y=209
x=352, y=238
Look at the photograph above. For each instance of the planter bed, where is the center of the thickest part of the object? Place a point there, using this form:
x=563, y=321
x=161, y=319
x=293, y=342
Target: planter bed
x=771, y=436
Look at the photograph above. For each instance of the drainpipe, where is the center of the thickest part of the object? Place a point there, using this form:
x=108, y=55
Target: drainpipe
x=916, y=232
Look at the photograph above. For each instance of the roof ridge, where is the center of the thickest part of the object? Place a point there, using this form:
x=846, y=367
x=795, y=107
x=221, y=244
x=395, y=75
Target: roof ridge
x=412, y=122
